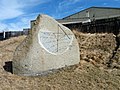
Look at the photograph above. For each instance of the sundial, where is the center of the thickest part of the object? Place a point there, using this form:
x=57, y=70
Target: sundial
x=49, y=46
x=55, y=42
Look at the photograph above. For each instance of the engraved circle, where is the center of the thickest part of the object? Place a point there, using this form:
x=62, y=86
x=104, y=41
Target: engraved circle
x=55, y=42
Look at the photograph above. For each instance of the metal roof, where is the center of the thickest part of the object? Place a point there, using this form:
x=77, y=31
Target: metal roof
x=90, y=8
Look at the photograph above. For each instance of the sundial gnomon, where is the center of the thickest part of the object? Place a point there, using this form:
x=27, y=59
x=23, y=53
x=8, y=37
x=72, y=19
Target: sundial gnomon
x=56, y=41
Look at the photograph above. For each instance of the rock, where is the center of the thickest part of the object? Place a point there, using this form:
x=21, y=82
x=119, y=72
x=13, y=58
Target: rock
x=49, y=46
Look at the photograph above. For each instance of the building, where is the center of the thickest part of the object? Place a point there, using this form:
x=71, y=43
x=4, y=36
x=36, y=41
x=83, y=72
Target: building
x=26, y=31
x=7, y=34
x=93, y=19
x=1, y=35
x=91, y=14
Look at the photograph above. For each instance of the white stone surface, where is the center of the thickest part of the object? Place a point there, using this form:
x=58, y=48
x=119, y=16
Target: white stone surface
x=49, y=46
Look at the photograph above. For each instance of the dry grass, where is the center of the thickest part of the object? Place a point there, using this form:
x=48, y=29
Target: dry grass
x=84, y=76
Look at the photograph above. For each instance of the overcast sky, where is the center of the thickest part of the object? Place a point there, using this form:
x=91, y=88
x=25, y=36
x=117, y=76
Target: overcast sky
x=17, y=14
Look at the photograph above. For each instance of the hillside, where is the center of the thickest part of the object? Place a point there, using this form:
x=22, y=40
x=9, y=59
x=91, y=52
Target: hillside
x=93, y=72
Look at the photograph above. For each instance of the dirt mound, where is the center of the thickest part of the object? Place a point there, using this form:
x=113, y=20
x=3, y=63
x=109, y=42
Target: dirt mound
x=96, y=48
x=84, y=76
x=116, y=58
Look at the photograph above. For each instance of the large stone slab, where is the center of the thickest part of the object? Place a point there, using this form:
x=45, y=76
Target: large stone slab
x=49, y=46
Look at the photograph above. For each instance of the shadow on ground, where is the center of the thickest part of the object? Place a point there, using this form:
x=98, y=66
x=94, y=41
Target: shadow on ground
x=8, y=66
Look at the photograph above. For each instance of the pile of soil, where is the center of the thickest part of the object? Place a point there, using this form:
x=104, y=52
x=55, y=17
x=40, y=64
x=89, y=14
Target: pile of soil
x=96, y=48
x=92, y=72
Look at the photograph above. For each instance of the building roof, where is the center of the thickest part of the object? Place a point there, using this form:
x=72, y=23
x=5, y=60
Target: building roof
x=94, y=13
x=92, y=7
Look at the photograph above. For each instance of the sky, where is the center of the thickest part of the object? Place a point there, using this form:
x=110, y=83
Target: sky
x=17, y=14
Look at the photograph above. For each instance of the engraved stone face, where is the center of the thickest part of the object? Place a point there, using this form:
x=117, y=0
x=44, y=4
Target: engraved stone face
x=55, y=42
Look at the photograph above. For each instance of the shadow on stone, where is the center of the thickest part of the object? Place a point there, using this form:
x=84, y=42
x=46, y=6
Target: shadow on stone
x=8, y=66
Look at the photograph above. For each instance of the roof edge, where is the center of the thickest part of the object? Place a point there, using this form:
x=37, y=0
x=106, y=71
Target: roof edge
x=90, y=8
